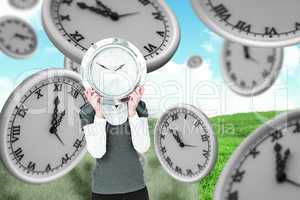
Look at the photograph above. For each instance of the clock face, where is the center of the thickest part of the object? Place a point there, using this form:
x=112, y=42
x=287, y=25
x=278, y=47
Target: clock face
x=266, y=165
x=70, y=65
x=114, y=71
x=252, y=23
x=17, y=37
x=250, y=71
x=195, y=61
x=74, y=25
x=185, y=143
x=42, y=138
x=23, y=4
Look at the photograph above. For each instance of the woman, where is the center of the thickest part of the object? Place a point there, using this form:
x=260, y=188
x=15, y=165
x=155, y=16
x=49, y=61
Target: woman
x=118, y=174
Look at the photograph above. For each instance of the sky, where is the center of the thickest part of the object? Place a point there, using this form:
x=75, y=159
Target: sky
x=175, y=83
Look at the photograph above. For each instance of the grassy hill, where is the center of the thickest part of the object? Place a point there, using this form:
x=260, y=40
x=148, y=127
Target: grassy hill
x=231, y=130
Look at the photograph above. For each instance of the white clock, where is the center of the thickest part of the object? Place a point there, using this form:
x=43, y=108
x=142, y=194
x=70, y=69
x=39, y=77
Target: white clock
x=250, y=71
x=185, y=143
x=74, y=25
x=17, y=37
x=23, y=4
x=70, y=65
x=41, y=136
x=261, y=23
x=266, y=165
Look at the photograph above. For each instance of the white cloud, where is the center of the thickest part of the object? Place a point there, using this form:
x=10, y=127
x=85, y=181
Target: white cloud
x=6, y=87
x=176, y=83
x=291, y=59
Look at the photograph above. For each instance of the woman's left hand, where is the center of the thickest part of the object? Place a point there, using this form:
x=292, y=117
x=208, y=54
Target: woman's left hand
x=134, y=100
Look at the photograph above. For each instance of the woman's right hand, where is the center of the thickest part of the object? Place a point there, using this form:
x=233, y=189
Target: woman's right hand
x=95, y=100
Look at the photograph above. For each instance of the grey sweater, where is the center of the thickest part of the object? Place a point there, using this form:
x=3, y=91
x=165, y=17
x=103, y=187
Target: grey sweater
x=119, y=170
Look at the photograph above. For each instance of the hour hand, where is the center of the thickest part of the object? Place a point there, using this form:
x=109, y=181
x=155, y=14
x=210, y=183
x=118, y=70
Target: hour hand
x=103, y=66
x=247, y=54
x=120, y=67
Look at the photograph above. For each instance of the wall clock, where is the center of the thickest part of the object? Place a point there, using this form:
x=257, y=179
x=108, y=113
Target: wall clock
x=266, y=165
x=252, y=23
x=70, y=65
x=185, y=143
x=114, y=68
x=17, y=37
x=250, y=71
x=23, y=4
x=41, y=136
x=74, y=25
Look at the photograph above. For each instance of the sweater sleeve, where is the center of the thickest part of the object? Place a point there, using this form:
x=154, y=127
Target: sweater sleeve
x=94, y=131
x=140, y=133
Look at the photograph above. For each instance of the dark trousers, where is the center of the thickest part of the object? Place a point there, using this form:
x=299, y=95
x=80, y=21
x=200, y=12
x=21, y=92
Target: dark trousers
x=138, y=195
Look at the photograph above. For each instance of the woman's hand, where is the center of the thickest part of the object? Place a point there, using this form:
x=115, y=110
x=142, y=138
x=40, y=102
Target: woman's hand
x=134, y=100
x=95, y=100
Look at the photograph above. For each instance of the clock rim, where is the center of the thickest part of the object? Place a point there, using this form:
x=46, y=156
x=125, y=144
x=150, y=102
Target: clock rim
x=11, y=54
x=77, y=55
x=11, y=2
x=214, y=145
x=9, y=108
x=244, y=147
x=267, y=84
x=210, y=23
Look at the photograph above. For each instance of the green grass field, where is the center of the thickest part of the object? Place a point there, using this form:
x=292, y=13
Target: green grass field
x=231, y=131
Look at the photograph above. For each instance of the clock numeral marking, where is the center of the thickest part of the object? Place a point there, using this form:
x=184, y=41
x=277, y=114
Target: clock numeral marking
x=22, y=111
x=297, y=128
x=39, y=93
x=31, y=166
x=163, y=150
x=162, y=136
x=158, y=16
x=150, y=48
x=222, y=12
x=189, y=172
x=265, y=73
x=161, y=33
x=169, y=161
x=74, y=93
x=65, y=159
x=19, y=154
x=185, y=116
x=238, y=176
x=77, y=36
x=178, y=170
x=165, y=125
x=144, y=2
x=233, y=196
x=200, y=167
x=254, y=152
x=270, y=31
x=77, y=144
x=205, y=138
x=276, y=135
x=243, y=26
x=197, y=123
x=297, y=26
x=69, y=2
x=57, y=87
x=15, y=133
x=65, y=18
x=48, y=168
x=205, y=153
x=271, y=59
x=174, y=117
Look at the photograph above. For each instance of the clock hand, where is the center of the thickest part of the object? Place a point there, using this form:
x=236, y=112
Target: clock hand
x=20, y=36
x=292, y=182
x=187, y=145
x=84, y=6
x=53, y=129
x=176, y=138
x=128, y=14
x=247, y=54
x=103, y=66
x=120, y=67
x=54, y=115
